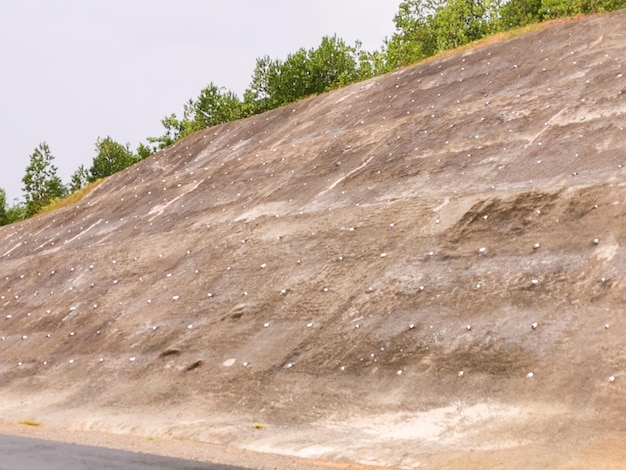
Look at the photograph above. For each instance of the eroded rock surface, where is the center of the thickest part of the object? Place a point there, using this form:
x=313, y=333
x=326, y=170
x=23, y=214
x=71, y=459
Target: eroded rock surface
x=424, y=268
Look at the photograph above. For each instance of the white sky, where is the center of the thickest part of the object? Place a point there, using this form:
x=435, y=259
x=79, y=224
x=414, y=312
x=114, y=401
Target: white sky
x=74, y=70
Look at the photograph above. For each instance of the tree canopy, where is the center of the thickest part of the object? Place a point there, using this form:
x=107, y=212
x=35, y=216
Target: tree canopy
x=9, y=214
x=41, y=183
x=306, y=72
x=111, y=158
x=426, y=27
x=4, y=218
x=79, y=179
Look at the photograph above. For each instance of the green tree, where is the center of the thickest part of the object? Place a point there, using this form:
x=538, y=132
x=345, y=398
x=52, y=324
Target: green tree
x=4, y=218
x=459, y=22
x=425, y=27
x=79, y=179
x=304, y=73
x=41, y=183
x=332, y=64
x=10, y=214
x=144, y=151
x=16, y=212
x=414, y=38
x=291, y=79
x=112, y=157
x=516, y=13
x=259, y=97
x=559, y=8
x=213, y=106
x=370, y=64
x=610, y=5
x=173, y=130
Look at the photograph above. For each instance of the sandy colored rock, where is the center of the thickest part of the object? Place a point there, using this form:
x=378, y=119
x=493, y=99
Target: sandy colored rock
x=350, y=280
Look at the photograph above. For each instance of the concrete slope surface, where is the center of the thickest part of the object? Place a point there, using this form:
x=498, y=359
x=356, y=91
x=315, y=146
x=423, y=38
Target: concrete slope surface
x=426, y=268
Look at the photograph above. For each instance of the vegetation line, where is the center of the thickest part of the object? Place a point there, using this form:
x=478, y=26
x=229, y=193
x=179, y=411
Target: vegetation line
x=423, y=29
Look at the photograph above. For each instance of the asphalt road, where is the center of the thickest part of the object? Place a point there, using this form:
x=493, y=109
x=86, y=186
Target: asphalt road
x=19, y=453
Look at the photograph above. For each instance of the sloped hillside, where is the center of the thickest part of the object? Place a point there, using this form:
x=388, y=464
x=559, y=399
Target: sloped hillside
x=424, y=269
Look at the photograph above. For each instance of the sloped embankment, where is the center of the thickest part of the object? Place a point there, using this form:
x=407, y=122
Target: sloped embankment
x=400, y=272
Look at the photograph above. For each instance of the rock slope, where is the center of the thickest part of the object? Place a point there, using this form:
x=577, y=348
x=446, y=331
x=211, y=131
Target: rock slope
x=425, y=268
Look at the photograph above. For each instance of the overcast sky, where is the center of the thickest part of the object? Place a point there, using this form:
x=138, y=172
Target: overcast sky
x=74, y=70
